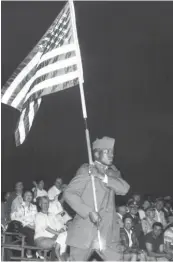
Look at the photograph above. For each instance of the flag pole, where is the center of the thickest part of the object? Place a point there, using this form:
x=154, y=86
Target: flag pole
x=73, y=19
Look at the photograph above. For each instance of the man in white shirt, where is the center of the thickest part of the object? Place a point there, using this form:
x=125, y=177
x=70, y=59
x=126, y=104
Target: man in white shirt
x=121, y=211
x=55, y=190
x=50, y=229
x=130, y=242
x=39, y=190
x=159, y=214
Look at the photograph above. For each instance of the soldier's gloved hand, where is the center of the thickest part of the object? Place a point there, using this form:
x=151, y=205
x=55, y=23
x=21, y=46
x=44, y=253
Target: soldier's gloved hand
x=95, y=218
x=100, y=176
x=113, y=173
x=92, y=170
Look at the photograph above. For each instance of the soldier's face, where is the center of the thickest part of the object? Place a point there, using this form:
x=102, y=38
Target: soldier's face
x=106, y=157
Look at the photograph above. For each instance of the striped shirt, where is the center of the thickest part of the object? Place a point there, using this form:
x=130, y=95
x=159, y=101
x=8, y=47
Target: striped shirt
x=168, y=235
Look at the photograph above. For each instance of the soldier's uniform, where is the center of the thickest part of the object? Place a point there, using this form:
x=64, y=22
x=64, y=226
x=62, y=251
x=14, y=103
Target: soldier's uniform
x=82, y=233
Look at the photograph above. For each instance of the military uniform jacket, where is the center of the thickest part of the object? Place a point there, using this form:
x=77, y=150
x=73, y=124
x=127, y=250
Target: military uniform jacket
x=79, y=195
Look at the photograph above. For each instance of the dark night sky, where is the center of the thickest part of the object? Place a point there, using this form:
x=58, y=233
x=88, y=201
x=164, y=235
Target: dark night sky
x=127, y=53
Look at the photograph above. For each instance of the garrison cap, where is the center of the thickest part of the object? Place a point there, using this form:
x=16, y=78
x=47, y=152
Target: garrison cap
x=104, y=143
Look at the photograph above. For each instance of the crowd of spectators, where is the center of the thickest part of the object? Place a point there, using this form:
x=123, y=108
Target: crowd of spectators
x=146, y=227
x=38, y=214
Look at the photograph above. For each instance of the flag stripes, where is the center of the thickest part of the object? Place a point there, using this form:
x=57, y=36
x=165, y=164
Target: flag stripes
x=52, y=66
x=11, y=92
x=26, y=120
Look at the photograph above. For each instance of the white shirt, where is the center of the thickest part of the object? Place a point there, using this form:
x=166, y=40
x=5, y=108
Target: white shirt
x=56, y=208
x=168, y=236
x=40, y=193
x=158, y=216
x=43, y=221
x=53, y=191
x=141, y=214
x=25, y=214
x=130, y=237
x=16, y=203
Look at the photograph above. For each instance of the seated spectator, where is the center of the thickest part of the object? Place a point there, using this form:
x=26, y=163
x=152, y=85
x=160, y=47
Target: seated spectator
x=26, y=213
x=56, y=203
x=133, y=212
x=168, y=212
x=146, y=204
x=149, y=220
x=129, y=241
x=56, y=208
x=168, y=238
x=50, y=230
x=61, y=195
x=4, y=211
x=38, y=190
x=15, y=199
x=170, y=221
x=155, y=244
x=137, y=227
x=55, y=190
x=121, y=211
x=137, y=198
x=159, y=214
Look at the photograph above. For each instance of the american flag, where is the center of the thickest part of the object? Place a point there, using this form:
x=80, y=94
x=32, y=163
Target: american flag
x=53, y=65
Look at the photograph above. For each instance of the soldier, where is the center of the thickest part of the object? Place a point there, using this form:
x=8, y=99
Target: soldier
x=82, y=233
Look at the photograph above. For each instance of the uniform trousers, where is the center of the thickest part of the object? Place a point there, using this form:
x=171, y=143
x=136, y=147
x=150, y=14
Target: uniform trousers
x=109, y=254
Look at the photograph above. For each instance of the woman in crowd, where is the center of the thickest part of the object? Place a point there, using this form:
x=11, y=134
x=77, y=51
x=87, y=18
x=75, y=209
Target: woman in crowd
x=146, y=204
x=129, y=241
x=26, y=213
x=159, y=214
x=39, y=190
x=149, y=220
x=50, y=229
x=168, y=210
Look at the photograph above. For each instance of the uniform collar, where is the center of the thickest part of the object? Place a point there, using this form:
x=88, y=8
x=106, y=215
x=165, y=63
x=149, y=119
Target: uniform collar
x=100, y=165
